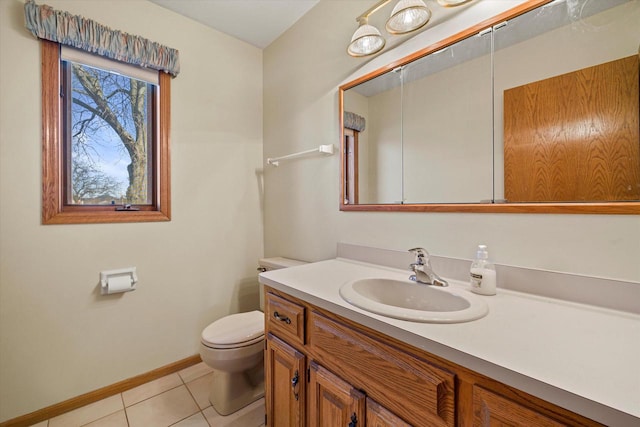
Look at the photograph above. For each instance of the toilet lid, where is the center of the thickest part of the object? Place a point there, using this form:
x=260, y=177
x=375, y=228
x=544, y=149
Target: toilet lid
x=235, y=330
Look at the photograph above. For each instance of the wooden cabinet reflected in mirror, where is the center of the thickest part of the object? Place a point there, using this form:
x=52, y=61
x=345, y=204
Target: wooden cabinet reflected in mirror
x=574, y=137
x=560, y=133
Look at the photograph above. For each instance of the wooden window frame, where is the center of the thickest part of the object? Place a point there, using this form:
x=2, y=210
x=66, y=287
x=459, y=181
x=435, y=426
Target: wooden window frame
x=54, y=208
x=351, y=159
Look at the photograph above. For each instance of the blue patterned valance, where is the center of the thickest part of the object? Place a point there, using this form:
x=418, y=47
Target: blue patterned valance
x=73, y=30
x=354, y=121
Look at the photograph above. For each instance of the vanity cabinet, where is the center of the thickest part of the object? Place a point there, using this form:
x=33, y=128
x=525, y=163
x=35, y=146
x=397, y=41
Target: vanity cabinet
x=326, y=370
x=322, y=373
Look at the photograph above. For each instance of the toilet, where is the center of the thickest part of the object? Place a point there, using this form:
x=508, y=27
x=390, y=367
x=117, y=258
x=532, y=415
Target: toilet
x=233, y=347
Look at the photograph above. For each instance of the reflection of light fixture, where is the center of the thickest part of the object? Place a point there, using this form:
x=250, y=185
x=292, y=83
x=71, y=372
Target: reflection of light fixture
x=407, y=16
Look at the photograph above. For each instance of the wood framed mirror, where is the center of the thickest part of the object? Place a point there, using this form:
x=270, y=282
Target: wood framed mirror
x=532, y=111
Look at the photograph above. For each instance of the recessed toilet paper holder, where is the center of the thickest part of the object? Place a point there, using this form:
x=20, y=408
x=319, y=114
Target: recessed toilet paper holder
x=116, y=281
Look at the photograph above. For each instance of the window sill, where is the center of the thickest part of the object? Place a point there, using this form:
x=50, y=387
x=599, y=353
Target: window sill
x=93, y=217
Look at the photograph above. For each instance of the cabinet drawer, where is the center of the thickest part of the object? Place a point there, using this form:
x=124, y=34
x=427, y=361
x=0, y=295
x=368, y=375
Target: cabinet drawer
x=419, y=392
x=377, y=416
x=492, y=409
x=285, y=319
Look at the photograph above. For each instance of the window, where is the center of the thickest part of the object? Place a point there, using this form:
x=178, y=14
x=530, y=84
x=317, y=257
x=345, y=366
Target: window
x=105, y=140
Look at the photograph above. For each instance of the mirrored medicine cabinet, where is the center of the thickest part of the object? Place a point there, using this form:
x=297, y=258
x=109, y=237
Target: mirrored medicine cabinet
x=535, y=110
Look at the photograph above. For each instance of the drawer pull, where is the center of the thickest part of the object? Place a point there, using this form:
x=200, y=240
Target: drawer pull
x=281, y=318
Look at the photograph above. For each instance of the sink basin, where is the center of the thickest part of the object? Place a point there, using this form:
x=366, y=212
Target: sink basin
x=407, y=300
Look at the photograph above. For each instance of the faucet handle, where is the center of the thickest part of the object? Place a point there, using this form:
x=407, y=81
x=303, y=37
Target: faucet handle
x=420, y=255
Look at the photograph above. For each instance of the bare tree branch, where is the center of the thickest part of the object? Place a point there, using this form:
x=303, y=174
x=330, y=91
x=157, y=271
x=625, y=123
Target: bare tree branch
x=124, y=110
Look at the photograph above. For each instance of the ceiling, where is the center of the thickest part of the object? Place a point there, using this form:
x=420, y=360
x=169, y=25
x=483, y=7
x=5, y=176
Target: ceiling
x=258, y=22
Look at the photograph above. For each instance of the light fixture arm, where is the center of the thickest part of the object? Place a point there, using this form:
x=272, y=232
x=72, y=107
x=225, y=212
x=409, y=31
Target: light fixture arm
x=373, y=9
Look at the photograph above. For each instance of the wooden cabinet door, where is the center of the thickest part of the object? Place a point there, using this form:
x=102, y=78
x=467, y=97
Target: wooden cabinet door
x=574, y=137
x=378, y=416
x=493, y=410
x=332, y=401
x=285, y=385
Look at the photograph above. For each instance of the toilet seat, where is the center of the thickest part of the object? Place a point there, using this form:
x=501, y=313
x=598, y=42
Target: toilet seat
x=235, y=330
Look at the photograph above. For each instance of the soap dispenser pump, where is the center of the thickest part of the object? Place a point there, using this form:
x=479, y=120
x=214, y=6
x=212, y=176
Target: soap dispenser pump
x=483, y=273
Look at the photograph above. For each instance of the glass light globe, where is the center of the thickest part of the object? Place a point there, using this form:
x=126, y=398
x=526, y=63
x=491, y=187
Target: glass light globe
x=367, y=40
x=407, y=16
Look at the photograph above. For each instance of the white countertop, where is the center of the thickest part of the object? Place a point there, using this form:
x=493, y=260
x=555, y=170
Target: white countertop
x=580, y=357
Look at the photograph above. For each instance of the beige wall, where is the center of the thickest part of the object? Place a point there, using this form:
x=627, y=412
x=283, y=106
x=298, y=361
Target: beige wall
x=304, y=67
x=58, y=337
x=431, y=133
x=386, y=148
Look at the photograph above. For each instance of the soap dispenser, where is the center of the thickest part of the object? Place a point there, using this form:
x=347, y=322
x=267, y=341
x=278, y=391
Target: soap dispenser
x=483, y=273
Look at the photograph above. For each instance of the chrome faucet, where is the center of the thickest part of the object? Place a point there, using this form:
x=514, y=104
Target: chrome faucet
x=423, y=272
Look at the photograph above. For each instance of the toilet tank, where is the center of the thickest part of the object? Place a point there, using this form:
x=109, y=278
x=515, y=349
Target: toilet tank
x=275, y=263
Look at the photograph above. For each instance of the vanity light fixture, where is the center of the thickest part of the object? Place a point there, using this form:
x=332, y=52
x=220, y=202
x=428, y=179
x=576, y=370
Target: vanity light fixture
x=407, y=16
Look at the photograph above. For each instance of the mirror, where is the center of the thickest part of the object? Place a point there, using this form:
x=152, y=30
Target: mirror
x=536, y=112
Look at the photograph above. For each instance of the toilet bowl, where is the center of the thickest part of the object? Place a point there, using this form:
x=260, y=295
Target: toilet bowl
x=233, y=347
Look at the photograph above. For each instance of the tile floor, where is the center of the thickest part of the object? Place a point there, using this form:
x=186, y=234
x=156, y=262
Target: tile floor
x=178, y=400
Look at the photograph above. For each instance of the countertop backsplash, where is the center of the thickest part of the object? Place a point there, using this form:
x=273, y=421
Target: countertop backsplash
x=596, y=291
